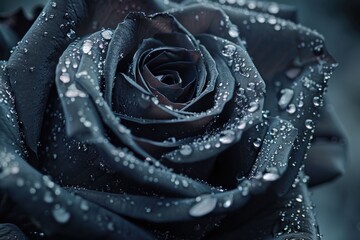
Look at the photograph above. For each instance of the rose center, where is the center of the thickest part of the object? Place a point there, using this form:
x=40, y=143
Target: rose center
x=170, y=72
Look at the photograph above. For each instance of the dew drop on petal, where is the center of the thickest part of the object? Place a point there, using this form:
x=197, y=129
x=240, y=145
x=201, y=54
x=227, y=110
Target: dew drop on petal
x=274, y=8
x=60, y=214
x=185, y=183
x=84, y=206
x=271, y=176
x=20, y=182
x=317, y=101
x=227, y=137
x=242, y=125
x=309, y=124
x=254, y=106
x=260, y=18
x=299, y=198
x=244, y=186
x=229, y=50
x=228, y=202
x=257, y=143
x=155, y=100
x=110, y=226
x=277, y=27
x=186, y=150
x=233, y=31
x=71, y=34
x=291, y=108
x=204, y=206
x=73, y=91
x=48, y=198
x=87, y=46
x=107, y=34
x=286, y=97
x=65, y=77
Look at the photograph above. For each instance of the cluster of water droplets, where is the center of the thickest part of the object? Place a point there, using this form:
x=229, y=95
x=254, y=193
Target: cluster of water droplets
x=72, y=63
x=7, y=165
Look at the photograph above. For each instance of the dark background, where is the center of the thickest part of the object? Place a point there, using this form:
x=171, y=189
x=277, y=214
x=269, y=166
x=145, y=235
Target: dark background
x=337, y=204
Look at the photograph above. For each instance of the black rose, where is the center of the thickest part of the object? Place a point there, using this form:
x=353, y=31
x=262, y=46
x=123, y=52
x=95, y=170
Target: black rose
x=156, y=124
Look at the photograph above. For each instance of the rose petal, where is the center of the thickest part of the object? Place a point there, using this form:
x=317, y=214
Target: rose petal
x=10, y=231
x=30, y=69
x=279, y=10
x=83, y=82
x=328, y=153
x=276, y=220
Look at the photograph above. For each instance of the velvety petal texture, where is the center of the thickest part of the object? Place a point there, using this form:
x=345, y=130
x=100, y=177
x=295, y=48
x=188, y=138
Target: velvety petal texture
x=165, y=120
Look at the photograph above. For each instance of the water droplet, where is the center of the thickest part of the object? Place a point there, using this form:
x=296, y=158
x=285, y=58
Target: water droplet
x=309, y=124
x=110, y=226
x=20, y=182
x=293, y=73
x=277, y=27
x=274, y=8
x=286, y=97
x=242, y=125
x=227, y=137
x=291, y=108
x=254, y=106
x=271, y=176
x=60, y=214
x=229, y=50
x=65, y=77
x=73, y=91
x=244, y=186
x=48, y=198
x=71, y=34
x=107, y=34
x=204, y=206
x=272, y=20
x=185, y=183
x=87, y=46
x=299, y=198
x=14, y=170
x=84, y=206
x=317, y=101
x=260, y=18
x=252, y=5
x=155, y=100
x=186, y=150
x=257, y=142
x=233, y=31
x=228, y=202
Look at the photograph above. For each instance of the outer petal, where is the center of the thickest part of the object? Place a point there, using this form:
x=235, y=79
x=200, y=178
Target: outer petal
x=31, y=70
x=10, y=231
x=296, y=67
x=290, y=217
x=20, y=181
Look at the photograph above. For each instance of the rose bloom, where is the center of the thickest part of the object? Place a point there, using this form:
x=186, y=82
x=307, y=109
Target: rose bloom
x=164, y=120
